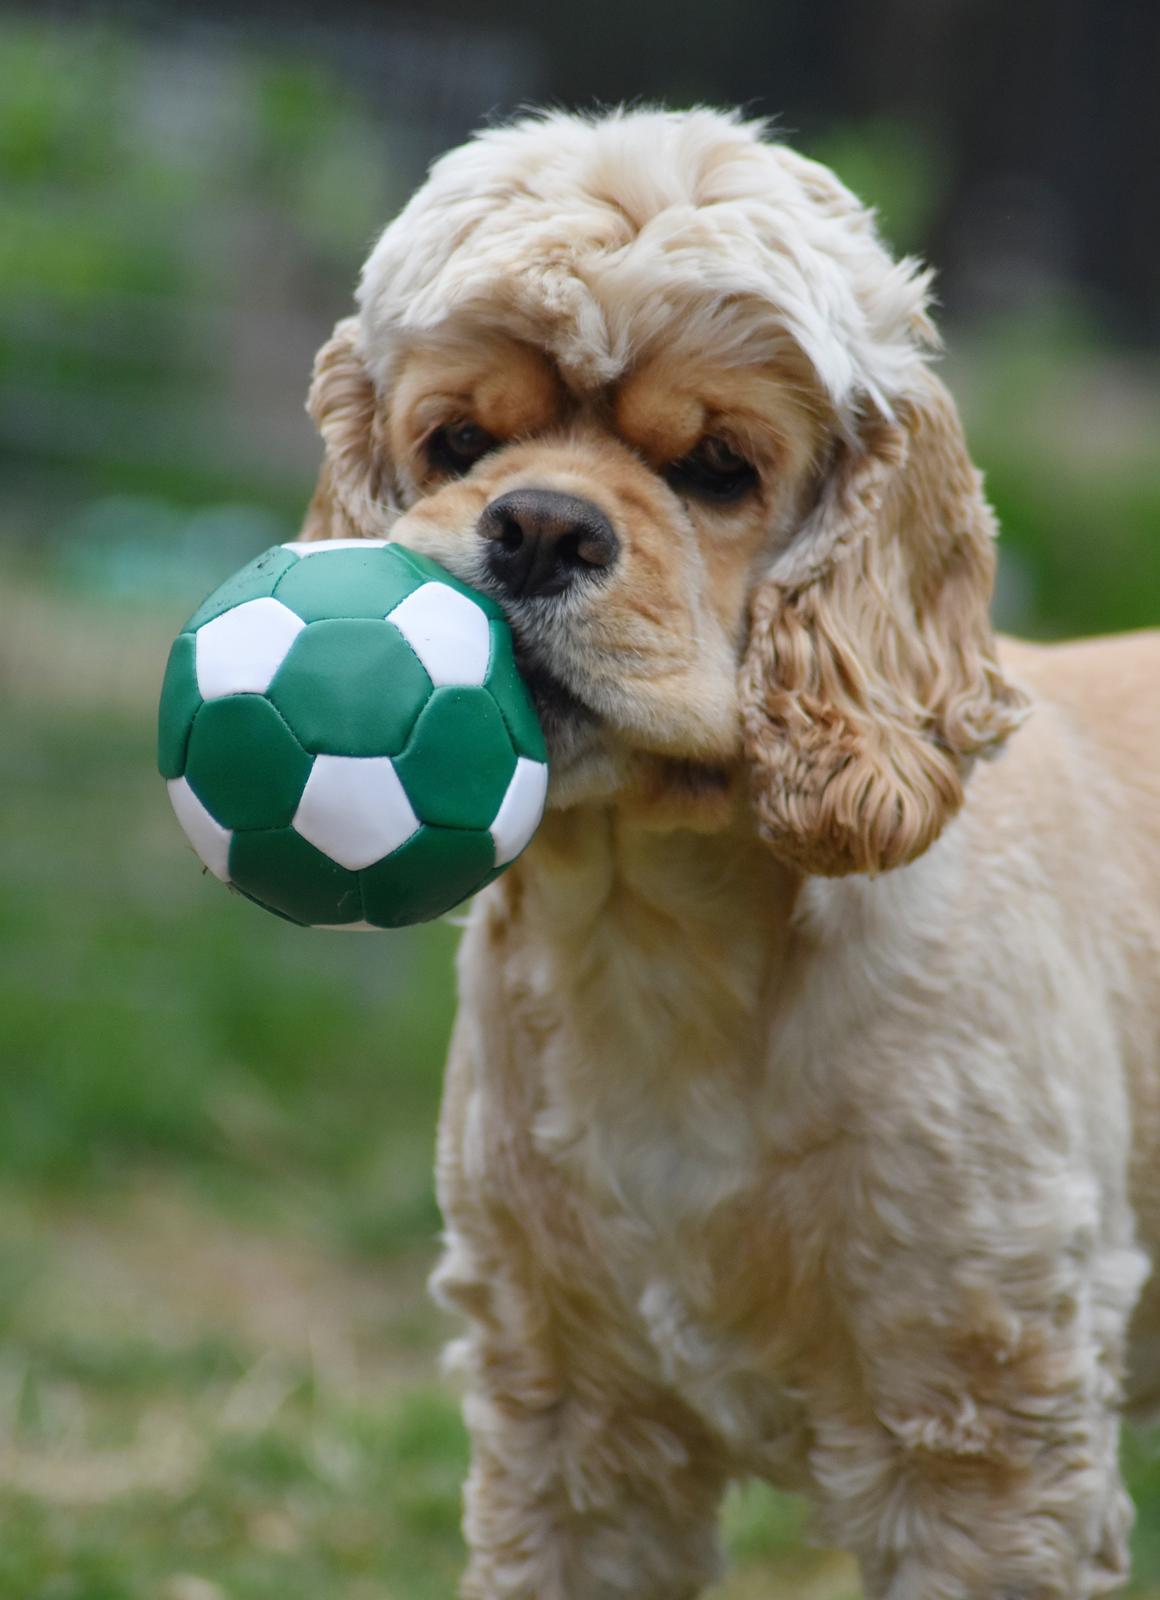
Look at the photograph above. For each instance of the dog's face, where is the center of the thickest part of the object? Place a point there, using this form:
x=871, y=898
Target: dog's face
x=620, y=525
x=656, y=385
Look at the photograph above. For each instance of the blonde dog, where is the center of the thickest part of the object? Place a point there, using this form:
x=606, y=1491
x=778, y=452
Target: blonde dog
x=803, y=1109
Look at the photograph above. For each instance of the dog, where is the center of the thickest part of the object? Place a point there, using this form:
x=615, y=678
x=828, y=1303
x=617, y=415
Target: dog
x=803, y=1107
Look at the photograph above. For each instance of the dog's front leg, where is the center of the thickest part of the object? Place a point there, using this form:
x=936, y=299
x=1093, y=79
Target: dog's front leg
x=584, y=1484
x=967, y=1447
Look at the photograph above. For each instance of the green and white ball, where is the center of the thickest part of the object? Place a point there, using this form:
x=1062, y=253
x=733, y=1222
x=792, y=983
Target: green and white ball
x=346, y=738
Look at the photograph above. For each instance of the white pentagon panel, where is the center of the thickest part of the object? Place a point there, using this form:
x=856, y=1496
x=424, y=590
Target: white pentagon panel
x=240, y=651
x=208, y=837
x=520, y=810
x=354, y=810
x=315, y=547
x=447, y=631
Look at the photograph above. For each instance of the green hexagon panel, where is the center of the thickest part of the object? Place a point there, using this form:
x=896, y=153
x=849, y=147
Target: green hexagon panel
x=459, y=760
x=427, y=570
x=180, y=698
x=347, y=583
x=285, y=873
x=512, y=697
x=351, y=687
x=255, y=581
x=433, y=871
x=244, y=764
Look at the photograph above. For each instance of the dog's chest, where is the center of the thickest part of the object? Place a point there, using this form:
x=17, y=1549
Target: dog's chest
x=648, y=1114
x=667, y=1197
x=664, y=1156
x=644, y=1099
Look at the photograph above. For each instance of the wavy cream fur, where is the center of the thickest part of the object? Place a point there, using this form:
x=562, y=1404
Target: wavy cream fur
x=802, y=1118
x=587, y=232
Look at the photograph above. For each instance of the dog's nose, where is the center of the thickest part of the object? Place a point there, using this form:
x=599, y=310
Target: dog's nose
x=539, y=540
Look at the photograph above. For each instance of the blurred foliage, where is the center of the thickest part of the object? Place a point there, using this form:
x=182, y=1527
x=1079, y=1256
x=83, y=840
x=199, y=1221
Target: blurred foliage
x=156, y=200
x=1066, y=433
x=891, y=166
x=58, y=89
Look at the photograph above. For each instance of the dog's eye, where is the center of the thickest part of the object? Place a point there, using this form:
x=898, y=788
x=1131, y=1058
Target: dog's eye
x=713, y=470
x=456, y=447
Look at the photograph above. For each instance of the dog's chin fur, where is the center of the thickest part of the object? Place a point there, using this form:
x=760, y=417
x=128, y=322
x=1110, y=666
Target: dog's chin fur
x=599, y=758
x=802, y=1117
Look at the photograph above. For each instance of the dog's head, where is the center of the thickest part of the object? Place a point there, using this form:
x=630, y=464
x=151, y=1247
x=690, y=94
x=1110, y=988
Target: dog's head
x=656, y=384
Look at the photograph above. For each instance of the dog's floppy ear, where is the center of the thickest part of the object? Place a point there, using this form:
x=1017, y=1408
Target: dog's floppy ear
x=870, y=681
x=352, y=499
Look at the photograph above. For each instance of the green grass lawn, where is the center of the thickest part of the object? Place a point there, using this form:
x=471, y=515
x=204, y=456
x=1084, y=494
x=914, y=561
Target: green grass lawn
x=218, y=1366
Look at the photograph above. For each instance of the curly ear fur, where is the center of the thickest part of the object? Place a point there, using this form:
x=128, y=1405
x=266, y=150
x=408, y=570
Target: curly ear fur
x=352, y=499
x=870, y=681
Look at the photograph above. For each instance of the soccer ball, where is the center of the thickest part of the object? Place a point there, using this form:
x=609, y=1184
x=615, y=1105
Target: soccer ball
x=346, y=738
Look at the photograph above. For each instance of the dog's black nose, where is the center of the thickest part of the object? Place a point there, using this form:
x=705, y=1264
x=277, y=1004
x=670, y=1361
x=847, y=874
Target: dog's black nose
x=539, y=541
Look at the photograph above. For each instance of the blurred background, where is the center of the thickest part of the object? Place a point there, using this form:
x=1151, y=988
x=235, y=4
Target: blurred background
x=218, y=1373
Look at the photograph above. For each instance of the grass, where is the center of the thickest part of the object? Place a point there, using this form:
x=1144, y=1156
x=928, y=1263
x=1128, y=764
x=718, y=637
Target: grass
x=194, y=1407
x=218, y=1366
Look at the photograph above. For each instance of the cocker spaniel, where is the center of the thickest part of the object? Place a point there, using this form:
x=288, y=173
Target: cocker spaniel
x=803, y=1108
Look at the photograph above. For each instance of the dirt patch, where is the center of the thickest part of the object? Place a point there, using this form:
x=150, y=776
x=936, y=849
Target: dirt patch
x=156, y=1265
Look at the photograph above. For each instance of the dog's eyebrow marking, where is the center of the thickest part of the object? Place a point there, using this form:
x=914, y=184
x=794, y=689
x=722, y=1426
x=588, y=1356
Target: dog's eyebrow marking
x=661, y=424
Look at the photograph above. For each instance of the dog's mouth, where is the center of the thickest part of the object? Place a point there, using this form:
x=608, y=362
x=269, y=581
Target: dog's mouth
x=602, y=717
x=567, y=721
